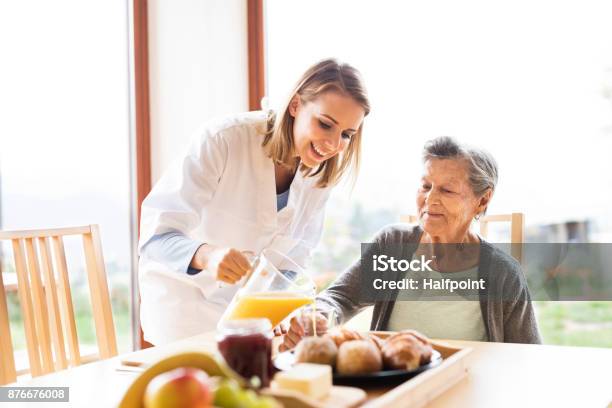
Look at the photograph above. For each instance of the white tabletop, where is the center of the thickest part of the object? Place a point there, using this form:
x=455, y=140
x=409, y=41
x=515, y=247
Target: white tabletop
x=501, y=375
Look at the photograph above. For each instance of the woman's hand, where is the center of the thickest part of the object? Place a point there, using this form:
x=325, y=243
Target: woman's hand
x=301, y=326
x=227, y=264
x=293, y=335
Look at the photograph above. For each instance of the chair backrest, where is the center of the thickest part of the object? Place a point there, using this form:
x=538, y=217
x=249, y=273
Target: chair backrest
x=517, y=229
x=46, y=302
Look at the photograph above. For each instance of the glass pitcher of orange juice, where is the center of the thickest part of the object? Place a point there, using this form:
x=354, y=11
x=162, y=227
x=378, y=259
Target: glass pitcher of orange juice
x=275, y=287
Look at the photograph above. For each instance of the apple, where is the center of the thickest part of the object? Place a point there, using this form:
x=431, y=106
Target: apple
x=183, y=387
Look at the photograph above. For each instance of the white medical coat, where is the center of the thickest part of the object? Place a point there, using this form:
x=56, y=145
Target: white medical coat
x=223, y=192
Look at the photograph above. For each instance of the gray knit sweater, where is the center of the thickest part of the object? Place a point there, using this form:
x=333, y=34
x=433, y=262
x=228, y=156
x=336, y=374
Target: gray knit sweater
x=510, y=320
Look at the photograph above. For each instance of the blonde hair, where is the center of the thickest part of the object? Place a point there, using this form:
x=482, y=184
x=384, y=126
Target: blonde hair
x=324, y=76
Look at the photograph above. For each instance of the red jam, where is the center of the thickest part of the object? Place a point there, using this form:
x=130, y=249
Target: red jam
x=246, y=346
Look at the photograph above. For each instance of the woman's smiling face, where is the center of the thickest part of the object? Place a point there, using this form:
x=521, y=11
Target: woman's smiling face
x=323, y=127
x=446, y=202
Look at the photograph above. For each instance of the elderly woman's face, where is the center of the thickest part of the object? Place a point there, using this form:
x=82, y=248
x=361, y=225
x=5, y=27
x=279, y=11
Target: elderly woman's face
x=445, y=201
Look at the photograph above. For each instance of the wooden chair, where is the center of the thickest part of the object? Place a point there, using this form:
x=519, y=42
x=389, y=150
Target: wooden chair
x=517, y=229
x=46, y=303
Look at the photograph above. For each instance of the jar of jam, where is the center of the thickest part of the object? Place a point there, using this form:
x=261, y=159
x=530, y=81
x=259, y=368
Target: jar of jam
x=246, y=346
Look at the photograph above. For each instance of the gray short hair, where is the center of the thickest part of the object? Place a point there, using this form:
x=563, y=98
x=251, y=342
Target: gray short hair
x=482, y=167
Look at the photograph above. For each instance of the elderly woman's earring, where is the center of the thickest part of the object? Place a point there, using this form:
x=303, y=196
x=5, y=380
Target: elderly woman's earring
x=477, y=217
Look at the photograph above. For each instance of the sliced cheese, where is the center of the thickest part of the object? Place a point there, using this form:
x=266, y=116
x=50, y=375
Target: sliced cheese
x=313, y=380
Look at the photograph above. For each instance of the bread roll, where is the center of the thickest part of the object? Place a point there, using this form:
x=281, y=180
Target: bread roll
x=317, y=350
x=358, y=357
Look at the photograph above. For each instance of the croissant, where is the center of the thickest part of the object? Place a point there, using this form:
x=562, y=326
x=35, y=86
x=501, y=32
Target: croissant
x=340, y=335
x=426, y=348
x=406, y=350
x=420, y=336
x=378, y=342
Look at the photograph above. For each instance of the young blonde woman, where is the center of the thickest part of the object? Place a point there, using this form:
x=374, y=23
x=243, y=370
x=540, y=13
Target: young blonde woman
x=252, y=181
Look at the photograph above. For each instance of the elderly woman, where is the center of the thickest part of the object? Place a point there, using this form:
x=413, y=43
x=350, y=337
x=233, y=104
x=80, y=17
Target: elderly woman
x=456, y=188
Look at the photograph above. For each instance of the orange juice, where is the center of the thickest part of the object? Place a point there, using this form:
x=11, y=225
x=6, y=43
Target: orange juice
x=274, y=306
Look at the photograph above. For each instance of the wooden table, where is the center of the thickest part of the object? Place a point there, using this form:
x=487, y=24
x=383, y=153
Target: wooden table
x=501, y=375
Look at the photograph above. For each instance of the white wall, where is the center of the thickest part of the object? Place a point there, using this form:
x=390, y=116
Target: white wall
x=198, y=69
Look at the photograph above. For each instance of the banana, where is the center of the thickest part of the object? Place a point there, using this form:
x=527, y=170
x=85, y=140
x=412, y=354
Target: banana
x=211, y=364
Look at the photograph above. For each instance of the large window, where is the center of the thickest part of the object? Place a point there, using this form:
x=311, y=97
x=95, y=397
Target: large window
x=529, y=81
x=64, y=152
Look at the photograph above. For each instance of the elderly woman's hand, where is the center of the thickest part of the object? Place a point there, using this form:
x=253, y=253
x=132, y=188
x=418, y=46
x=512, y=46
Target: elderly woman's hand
x=301, y=326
